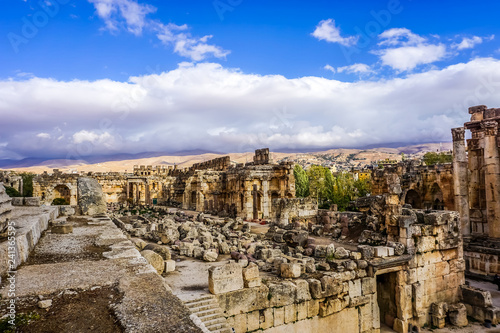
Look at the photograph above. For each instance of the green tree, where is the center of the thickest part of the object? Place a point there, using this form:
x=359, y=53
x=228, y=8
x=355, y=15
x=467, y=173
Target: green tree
x=27, y=183
x=432, y=158
x=301, y=182
x=316, y=175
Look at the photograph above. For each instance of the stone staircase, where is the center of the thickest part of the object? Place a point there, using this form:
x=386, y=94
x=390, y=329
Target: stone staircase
x=207, y=309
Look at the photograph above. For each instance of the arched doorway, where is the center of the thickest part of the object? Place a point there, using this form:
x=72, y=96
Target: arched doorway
x=413, y=198
x=63, y=192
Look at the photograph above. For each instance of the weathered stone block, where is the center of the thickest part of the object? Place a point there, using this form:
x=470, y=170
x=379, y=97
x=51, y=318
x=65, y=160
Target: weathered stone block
x=458, y=315
x=222, y=279
x=279, y=316
x=169, y=265
x=266, y=318
x=475, y=297
x=290, y=313
x=290, y=270
x=154, y=259
x=253, y=321
x=302, y=311
x=282, y=294
x=62, y=229
x=368, y=286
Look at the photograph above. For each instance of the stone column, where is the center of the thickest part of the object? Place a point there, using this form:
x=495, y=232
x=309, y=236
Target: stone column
x=492, y=177
x=460, y=178
x=266, y=201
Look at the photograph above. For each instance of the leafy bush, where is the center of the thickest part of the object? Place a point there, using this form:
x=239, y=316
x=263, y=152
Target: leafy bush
x=12, y=192
x=59, y=202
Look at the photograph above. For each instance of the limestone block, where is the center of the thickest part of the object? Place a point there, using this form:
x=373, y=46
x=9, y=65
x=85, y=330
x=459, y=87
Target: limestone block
x=279, y=316
x=400, y=326
x=313, y=308
x=475, y=297
x=367, y=252
x=210, y=255
x=266, y=318
x=32, y=201
x=403, y=302
x=169, y=265
x=290, y=270
x=17, y=201
x=302, y=311
x=458, y=315
x=238, y=322
x=186, y=249
x=359, y=300
x=320, y=251
x=282, y=294
x=244, y=300
x=91, y=199
x=62, y=229
x=161, y=250
x=290, y=313
x=426, y=244
x=226, y=278
x=368, y=286
x=253, y=321
x=355, y=255
x=303, y=293
x=355, y=288
x=154, y=259
x=198, y=252
x=381, y=251
x=341, y=253
x=331, y=306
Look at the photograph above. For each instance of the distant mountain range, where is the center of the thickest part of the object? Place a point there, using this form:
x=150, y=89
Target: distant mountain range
x=126, y=162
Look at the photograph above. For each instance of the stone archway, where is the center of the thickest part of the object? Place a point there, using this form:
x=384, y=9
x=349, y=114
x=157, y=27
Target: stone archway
x=63, y=192
x=414, y=199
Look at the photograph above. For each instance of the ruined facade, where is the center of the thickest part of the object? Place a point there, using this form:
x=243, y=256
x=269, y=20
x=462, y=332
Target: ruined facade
x=216, y=186
x=423, y=187
x=477, y=184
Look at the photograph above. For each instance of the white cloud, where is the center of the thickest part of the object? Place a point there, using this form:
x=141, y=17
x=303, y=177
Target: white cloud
x=326, y=30
x=406, y=50
x=329, y=68
x=468, y=43
x=133, y=16
x=43, y=135
x=355, y=69
x=131, y=12
x=207, y=106
x=400, y=36
x=408, y=57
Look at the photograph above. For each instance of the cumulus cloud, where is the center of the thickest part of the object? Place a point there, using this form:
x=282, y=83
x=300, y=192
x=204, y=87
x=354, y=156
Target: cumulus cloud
x=326, y=30
x=133, y=16
x=355, y=69
x=208, y=106
x=329, y=68
x=471, y=42
x=404, y=50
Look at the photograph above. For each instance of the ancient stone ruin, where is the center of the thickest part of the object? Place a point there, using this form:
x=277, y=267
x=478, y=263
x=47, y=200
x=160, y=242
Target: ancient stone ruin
x=477, y=184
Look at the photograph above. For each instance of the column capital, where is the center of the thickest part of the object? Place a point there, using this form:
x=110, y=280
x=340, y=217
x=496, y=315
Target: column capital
x=490, y=128
x=458, y=134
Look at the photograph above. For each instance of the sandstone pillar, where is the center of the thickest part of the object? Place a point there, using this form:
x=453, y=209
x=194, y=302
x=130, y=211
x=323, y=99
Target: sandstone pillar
x=492, y=177
x=460, y=178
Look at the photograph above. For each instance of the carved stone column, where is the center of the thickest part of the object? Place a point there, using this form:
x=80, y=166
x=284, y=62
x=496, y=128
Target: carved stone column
x=492, y=177
x=460, y=178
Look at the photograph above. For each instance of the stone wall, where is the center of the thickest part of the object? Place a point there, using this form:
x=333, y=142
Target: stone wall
x=301, y=210
x=477, y=184
x=5, y=209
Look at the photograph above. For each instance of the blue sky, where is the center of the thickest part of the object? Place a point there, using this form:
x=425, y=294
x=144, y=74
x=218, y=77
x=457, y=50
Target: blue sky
x=235, y=75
